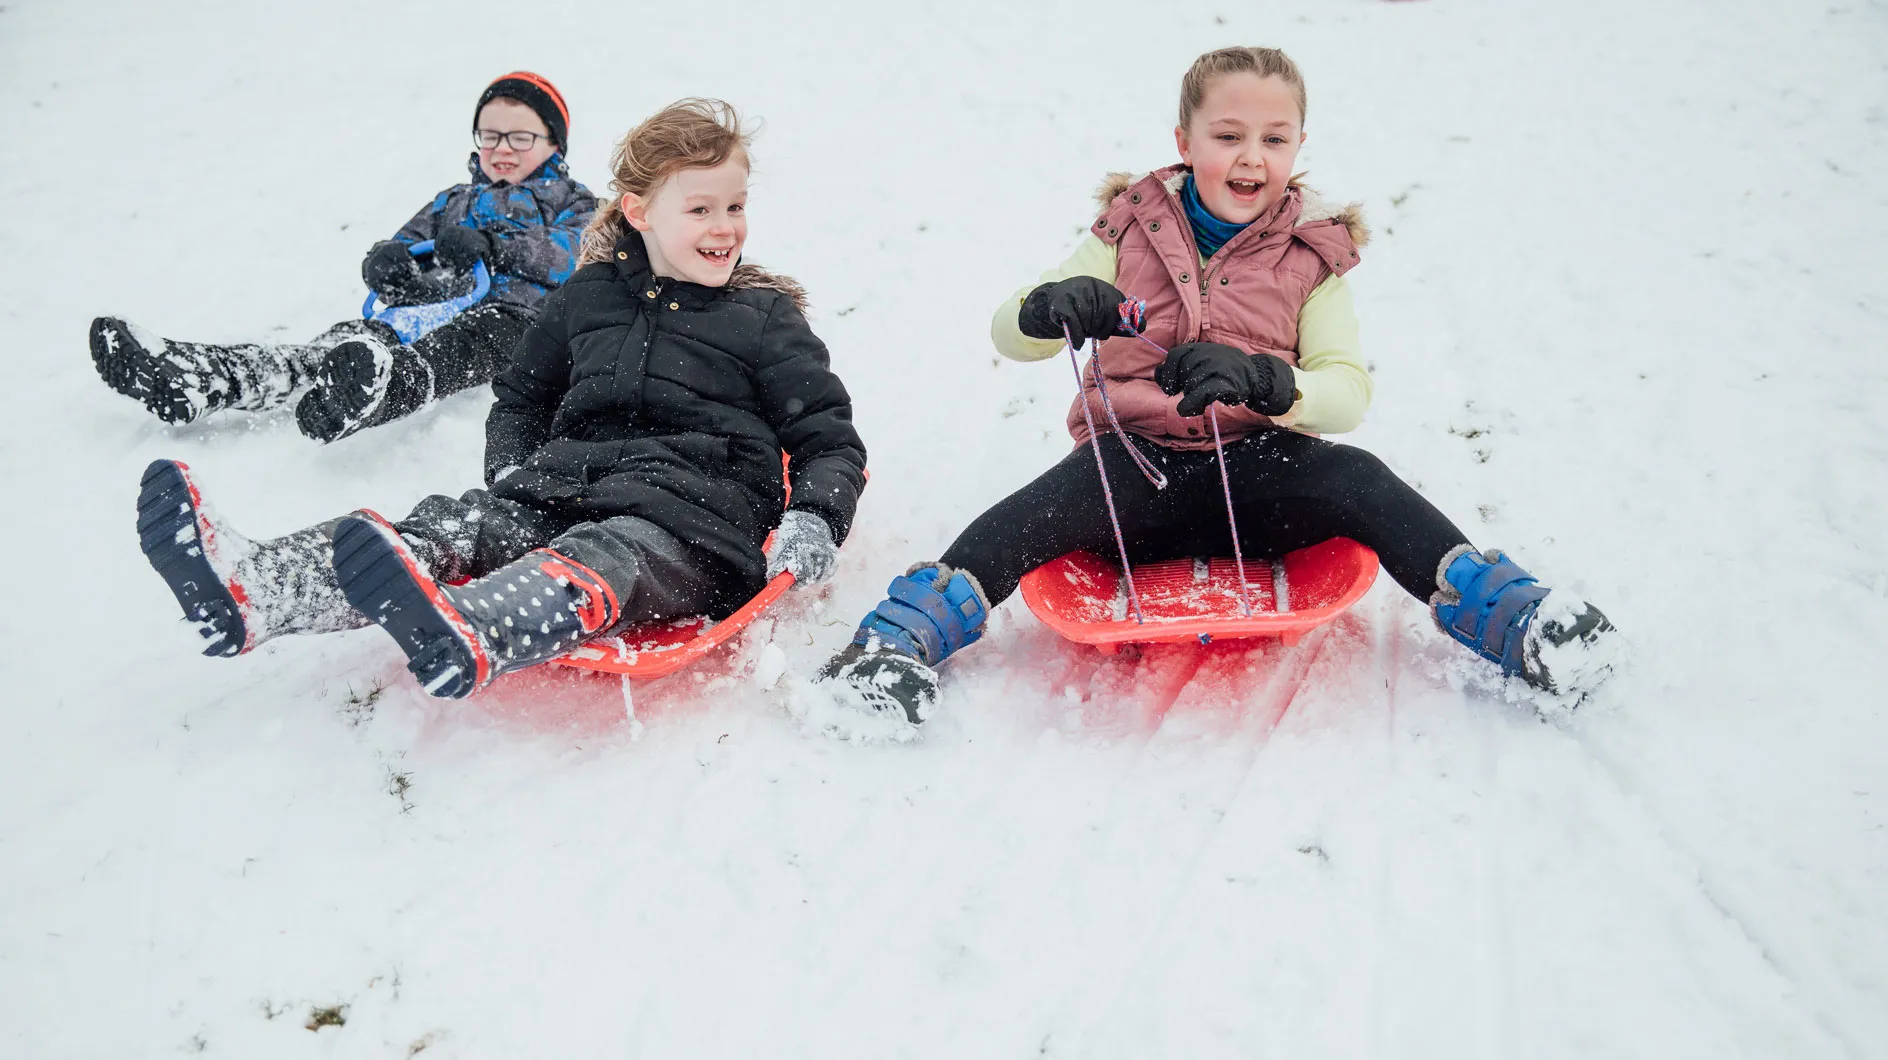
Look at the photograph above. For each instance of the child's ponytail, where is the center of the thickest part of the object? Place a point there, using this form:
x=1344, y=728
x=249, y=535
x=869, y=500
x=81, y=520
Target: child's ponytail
x=690, y=133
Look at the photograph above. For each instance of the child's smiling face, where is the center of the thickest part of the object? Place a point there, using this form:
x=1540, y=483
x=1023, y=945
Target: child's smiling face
x=1242, y=142
x=695, y=222
x=504, y=162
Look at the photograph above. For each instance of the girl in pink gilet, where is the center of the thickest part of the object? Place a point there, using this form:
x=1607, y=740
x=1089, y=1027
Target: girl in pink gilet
x=1241, y=271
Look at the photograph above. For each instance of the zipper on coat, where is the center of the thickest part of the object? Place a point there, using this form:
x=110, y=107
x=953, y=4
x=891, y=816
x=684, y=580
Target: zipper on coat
x=648, y=340
x=1186, y=233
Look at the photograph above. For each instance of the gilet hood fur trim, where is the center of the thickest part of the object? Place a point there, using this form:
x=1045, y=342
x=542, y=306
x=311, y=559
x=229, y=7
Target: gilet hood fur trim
x=1316, y=207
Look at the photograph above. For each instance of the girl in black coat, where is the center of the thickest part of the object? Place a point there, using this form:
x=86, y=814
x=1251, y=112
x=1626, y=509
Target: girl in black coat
x=633, y=456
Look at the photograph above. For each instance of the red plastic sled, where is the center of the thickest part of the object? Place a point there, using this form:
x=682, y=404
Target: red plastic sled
x=1085, y=599
x=656, y=649
x=660, y=648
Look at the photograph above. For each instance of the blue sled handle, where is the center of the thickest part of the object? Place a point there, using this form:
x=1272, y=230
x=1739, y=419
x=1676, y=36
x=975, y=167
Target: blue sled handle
x=481, y=286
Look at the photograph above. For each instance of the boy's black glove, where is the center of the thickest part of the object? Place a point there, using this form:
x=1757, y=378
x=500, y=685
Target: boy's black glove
x=1207, y=372
x=1090, y=307
x=458, y=247
x=389, y=268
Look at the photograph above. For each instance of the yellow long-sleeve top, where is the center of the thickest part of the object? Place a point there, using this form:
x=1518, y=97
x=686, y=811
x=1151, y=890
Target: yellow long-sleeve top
x=1333, y=385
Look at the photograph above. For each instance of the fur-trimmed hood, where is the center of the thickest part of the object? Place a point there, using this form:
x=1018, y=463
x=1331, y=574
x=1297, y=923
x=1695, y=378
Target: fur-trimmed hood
x=1316, y=207
x=608, y=230
x=753, y=277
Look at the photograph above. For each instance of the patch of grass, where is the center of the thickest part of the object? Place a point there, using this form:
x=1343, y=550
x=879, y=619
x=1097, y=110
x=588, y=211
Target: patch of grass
x=398, y=784
x=332, y=1016
x=357, y=706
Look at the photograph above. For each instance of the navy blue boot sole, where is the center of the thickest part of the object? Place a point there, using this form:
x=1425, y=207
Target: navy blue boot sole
x=177, y=539
x=383, y=580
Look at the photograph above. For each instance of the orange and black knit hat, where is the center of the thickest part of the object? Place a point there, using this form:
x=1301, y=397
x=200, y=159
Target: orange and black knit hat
x=536, y=92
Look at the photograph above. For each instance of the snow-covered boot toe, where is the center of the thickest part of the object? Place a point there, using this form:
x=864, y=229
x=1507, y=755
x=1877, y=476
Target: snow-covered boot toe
x=237, y=592
x=181, y=382
x=350, y=388
x=173, y=386
x=1553, y=640
x=459, y=638
x=1570, y=647
x=929, y=614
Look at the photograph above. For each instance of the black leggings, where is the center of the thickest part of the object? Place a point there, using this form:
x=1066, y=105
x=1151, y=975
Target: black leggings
x=1289, y=490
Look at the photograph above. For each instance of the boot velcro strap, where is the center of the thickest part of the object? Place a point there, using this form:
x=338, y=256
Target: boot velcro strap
x=948, y=620
x=909, y=627
x=1502, y=623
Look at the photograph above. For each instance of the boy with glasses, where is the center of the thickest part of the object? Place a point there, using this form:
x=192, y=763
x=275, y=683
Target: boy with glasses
x=521, y=215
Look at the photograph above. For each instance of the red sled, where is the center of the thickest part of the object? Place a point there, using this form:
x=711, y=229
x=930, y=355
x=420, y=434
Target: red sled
x=657, y=649
x=1085, y=599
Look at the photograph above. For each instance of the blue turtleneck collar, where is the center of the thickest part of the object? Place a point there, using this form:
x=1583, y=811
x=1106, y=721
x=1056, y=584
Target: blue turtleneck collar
x=1209, y=232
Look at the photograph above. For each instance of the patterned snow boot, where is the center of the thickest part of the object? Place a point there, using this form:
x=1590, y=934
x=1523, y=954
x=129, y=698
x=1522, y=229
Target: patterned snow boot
x=181, y=382
x=459, y=638
x=238, y=592
x=929, y=614
x=1552, y=639
x=362, y=383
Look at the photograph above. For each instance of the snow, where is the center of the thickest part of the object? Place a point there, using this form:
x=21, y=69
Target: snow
x=1625, y=312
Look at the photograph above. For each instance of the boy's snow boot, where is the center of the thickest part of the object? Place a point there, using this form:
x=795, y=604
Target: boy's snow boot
x=930, y=613
x=238, y=592
x=1552, y=639
x=459, y=638
x=180, y=382
x=362, y=383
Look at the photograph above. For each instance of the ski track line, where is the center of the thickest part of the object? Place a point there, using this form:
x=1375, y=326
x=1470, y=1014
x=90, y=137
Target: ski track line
x=1500, y=1030
x=1664, y=836
x=1259, y=719
x=1386, y=645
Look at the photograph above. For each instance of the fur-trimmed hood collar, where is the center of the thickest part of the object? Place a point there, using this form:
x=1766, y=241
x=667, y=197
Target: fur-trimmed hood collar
x=1316, y=207
x=633, y=257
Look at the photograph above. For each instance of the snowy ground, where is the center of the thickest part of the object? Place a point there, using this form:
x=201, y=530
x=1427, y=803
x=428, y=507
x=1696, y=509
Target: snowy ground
x=1625, y=308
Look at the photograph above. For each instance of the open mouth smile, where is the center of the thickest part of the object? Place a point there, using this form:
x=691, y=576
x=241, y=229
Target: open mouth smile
x=1245, y=189
x=719, y=256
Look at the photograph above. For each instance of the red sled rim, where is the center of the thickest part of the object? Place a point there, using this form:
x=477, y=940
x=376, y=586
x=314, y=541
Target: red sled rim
x=657, y=649
x=1083, y=597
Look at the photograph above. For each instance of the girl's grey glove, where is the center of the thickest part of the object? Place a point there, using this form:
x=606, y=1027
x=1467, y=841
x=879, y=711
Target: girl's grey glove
x=804, y=545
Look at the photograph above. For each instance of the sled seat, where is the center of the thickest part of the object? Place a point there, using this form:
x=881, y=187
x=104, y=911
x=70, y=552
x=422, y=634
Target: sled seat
x=1084, y=598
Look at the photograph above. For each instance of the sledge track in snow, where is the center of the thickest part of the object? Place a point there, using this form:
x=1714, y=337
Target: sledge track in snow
x=1662, y=833
x=1219, y=789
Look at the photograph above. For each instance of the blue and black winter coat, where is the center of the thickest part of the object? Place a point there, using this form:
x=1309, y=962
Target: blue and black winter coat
x=535, y=227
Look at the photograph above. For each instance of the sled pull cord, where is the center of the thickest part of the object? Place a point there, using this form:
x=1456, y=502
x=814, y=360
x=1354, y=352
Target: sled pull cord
x=1094, y=442
x=1133, y=312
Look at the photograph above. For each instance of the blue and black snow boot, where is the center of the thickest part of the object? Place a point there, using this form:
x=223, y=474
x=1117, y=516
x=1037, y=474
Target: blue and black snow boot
x=181, y=382
x=237, y=592
x=1552, y=639
x=930, y=613
x=362, y=383
x=459, y=638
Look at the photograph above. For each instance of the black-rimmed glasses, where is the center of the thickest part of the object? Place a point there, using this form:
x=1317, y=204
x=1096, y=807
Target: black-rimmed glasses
x=517, y=141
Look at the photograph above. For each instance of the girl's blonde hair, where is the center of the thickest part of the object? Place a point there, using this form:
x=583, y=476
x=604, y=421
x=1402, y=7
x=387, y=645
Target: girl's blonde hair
x=1266, y=62
x=690, y=133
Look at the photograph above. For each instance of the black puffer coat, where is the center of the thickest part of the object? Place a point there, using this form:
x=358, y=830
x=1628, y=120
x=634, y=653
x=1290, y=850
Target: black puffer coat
x=635, y=394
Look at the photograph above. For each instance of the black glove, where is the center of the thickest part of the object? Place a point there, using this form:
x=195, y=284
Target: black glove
x=389, y=268
x=458, y=247
x=1090, y=307
x=1207, y=372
